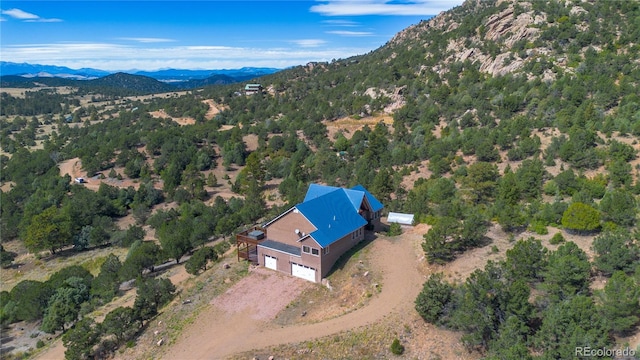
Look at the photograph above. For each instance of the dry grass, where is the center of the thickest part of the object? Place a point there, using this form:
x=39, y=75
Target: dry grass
x=421, y=341
x=348, y=125
x=29, y=267
x=176, y=316
x=20, y=92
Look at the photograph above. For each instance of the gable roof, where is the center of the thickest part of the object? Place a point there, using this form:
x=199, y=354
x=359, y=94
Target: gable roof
x=333, y=214
x=375, y=204
x=317, y=190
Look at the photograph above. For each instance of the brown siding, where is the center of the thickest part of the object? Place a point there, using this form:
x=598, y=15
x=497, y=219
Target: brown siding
x=312, y=260
x=377, y=224
x=282, y=230
x=284, y=260
x=337, y=249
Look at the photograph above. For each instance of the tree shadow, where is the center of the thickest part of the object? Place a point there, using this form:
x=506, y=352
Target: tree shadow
x=6, y=350
x=6, y=339
x=15, y=265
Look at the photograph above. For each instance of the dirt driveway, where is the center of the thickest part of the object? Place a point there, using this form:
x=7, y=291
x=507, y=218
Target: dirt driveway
x=218, y=333
x=261, y=295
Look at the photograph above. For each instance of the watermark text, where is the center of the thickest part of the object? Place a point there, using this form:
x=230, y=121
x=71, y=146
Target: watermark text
x=587, y=351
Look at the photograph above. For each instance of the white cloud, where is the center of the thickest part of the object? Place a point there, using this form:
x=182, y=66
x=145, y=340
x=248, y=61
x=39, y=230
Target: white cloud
x=383, y=7
x=209, y=48
x=45, y=20
x=20, y=14
x=349, y=33
x=26, y=16
x=346, y=23
x=309, y=42
x=146, y=40
x=113, y=57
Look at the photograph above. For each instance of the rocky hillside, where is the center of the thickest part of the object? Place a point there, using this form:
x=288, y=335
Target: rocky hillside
x=461, y=58
x=504, y=36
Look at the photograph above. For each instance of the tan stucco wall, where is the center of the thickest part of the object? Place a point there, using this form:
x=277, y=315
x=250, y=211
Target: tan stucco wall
x=282, y=230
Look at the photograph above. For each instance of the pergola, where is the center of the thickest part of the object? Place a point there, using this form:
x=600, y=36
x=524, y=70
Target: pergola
x=248, y=241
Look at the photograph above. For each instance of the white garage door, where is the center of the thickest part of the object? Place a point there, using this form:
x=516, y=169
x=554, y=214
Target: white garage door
x=270, y=262
x=304, y=272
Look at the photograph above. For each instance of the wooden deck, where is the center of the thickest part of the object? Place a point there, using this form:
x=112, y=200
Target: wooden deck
x=248, y=241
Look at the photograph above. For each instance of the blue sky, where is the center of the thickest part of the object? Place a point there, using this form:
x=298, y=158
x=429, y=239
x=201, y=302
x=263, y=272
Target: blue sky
x=152, y=35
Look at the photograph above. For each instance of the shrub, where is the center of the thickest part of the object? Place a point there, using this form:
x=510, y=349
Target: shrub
x=551, y=188
x=222, y=247
x=539, y=228
x=396, y=347
x=434, y=297
x=581, y=217
x=556, y=239
x=394, y=229
x=40, y=344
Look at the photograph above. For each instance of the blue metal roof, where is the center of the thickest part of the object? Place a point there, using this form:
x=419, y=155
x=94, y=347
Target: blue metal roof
x=375, y=204
x=316, y=190
x=331, y=212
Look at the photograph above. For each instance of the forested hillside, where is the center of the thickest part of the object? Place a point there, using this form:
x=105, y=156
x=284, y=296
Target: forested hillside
x=523, y=114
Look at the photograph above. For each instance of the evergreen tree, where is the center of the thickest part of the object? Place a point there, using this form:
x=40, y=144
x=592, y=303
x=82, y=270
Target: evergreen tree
x=81, y=339
x=567, y=272
x=568, y=325
x=619, y=303
x=435, y=296
x=615, y=250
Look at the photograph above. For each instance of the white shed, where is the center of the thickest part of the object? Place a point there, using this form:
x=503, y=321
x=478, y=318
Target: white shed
x=400, y=218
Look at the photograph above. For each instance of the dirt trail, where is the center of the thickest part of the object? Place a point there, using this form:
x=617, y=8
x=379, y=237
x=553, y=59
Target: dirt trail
x=56, y=351
x=180, y=120
x=214, y=109
x=217, y=334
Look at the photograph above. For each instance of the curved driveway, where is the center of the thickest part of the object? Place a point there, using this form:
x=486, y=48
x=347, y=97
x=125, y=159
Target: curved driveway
x=216, y=335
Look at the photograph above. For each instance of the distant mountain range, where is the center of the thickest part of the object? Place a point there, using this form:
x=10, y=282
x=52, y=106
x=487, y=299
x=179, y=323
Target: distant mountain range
x=167, y=75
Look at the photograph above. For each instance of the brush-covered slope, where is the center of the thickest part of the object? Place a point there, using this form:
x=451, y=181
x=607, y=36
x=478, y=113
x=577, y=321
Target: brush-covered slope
x=495, y=59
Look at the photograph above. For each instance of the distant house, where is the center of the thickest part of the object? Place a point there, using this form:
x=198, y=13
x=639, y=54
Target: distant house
x=251, y=89
x=306, y=240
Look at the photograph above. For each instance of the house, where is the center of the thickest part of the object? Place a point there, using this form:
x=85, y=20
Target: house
x=251, y=89
x=306, y=240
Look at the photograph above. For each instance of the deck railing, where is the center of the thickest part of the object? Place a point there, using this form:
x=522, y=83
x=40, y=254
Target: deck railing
x=248, y=246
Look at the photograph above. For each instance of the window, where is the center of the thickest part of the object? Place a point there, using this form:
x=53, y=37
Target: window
x=306, y=249
x=325, y=251
x=315, y=251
